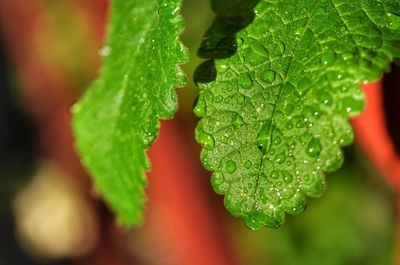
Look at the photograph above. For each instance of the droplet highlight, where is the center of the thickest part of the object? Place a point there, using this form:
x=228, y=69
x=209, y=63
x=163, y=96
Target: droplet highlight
x=230, y=166
x=313, y=147
x=206, y=139
x=245, y=81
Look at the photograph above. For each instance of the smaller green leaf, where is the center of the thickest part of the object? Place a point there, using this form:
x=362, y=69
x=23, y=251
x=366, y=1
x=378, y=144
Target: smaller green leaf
x=117, y=119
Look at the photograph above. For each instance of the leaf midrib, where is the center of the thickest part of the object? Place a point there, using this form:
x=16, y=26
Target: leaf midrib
x=278, y=100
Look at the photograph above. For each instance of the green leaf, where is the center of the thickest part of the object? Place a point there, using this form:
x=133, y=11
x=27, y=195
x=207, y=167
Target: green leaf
x=117, y=119
x=276, y=115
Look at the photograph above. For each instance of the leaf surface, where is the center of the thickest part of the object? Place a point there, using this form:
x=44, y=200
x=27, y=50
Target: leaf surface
x=117, y=119
x=275, y=114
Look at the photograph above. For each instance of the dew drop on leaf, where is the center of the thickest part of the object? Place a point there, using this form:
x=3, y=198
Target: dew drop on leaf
x=277, y=140
x=238, y=120
x=328, y=58
x=334, y=162
x=240, y=99
x=230, y=166
x=287, y=177
x=299, y=203
x=218, y=183
x=248, y=164
x=289, y=108
x=206, y=163
x=253, y=58
x=206, y=139
x=266, y=76
x=278, y=48
x=239, y=42
x=353, y=106
x=218, y=99
x=265, y=95
x=274, y=174
x=149, y=135
x=200, y=106
x=347, y=56
x=394, y=21
x=313, y=147
x=245, y=81
x=255, y=221
x=272, y=222
x=324, y=97
x=263, y=136
x=347, y=138
x=259, y=49
x=280, y=158
x=303, y=86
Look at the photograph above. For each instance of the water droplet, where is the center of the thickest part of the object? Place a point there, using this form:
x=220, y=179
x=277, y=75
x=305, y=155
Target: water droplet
x=253, y=58
x=150, y=134
x=225, y=139
x=272, y=221
x=248, y=164
x=217, y=178
x=229, y=74
x=353, y=105
x=310, y=111
x=238, y=120
x=313, y=147
x=207, y=163
x=277, y=140
x=280, y=158
x=303, y=86
x=299, y=122
x=324, y=97
x=240, y=99
x=316, y=186
x=334, y=162
x=218, y=99
x=347, y=56
x=206, y=139
x=298, y=203
x=274, y=174
x=265, y=95
x=219, y=185
x=287, y=177
x=278, y=48
x=259, y=49
x=394, y=21
x=289, y=108
x=245, y=81
x=228, y=100
x=263, y=138
x=200, y=106
x=232, y=205
x=239, y=42
x=230, y=166
x=266, y=76
x=328, y=58
x=347, y=138
x=255, y=221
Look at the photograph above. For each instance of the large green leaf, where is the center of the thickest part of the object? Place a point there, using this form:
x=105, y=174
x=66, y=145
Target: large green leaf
x=117, y=119
x=275, y=114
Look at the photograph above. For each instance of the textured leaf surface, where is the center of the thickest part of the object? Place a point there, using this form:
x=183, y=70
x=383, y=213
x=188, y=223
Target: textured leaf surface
x=276, y=116
x=117, y=119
